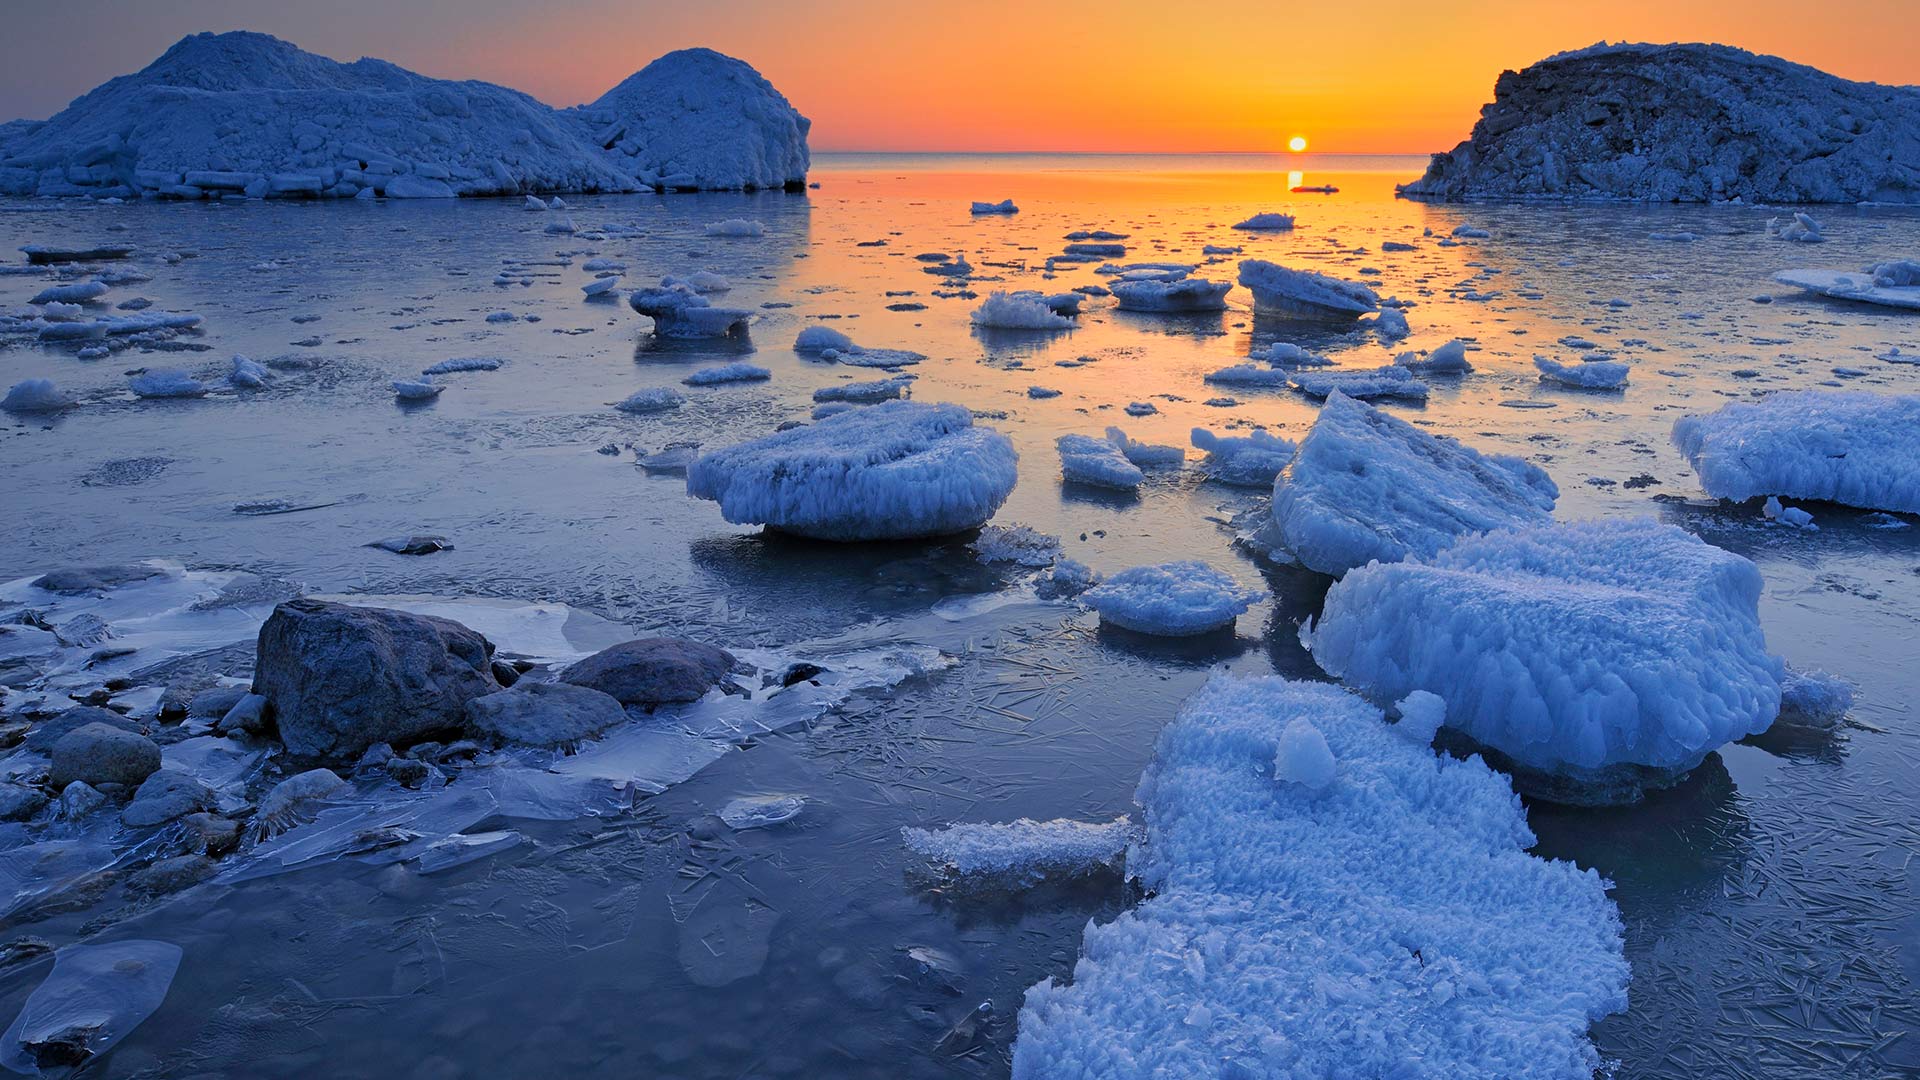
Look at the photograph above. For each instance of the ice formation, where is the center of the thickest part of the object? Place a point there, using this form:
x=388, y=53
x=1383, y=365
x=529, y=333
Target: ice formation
x=1145, y=454
x=1176, y=599
x=92, y=999
x=863, y=393
x=247, y=374
x=1391, y=924
x=1814, y=699
x=1447, y=359
x=1305, y=294
x=1845, y=446
x=1249, y=375
x=1381, y=382
x=1799, y=228
x=1007, y=311
x=1586, y=375
x=897, y=470
x=1184, y=295
x=817, y=339
x=1302, y=757
x=1368, y=486
x=1600, y=656
x=738, y=371
x=1021, y=545
x=421, y=389
x=1085, y=459
x=652, y=399
x=1887, y=284
x=678, y=311
x=1022, y=853
x=739, y=228
x=35, y=396
x=1684, y=123
x=1250, y=460
x=166, y=383
x=1267, y=222
x=245, y=113
x=1004, y=206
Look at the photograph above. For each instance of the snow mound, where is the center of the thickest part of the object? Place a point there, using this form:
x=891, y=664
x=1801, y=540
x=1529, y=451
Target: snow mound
x=897, y=470
x=1305, y=294
x=1268, y=222
x=1367, y=486
x=1887, y=284
x=1251, y=460
x=1606, y=656
x=1684, y=123
x=1085, y=459
x=1183, y=295
x=1022, y=853
x=678, y=311
x=1176, y=599
x=738, y=371
x=1585, y=375
x=1381, y=382
x=1845, y=446
x=1447, y=359
x=697, y=119
x=245, y=113
x=1008, y=311
x=1390, y=925
x=35, y=396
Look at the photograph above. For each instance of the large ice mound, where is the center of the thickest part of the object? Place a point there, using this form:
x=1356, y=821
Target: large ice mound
x=893, y=471
x=1684, y=123
x=1176, y=599
x=1368, y=486
x=1845, y=446
x=1305, y=294
x=248, y=113
x=1605, y=656
x=1388, y=925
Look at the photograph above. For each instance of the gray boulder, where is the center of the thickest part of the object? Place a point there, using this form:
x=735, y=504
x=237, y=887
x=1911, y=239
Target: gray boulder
x=652, y=671
x=80, y=580
x=50, y=731
x=18, y=802
x=99, y=754
x=340, y=678
x=166, y=795
x=545, y=714
x=215, y=702
x=249, y=714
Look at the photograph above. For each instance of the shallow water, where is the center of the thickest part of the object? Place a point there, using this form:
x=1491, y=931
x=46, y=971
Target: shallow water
x=1770, y=902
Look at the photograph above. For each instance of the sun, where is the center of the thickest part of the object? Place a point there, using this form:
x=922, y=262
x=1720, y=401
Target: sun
x=1297, y=143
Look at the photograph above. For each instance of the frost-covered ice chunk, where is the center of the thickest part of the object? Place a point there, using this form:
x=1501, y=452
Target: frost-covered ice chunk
x=652, y=399
x=680, y=312
x=1845, y=446
x=864, y=393
x=421, y=389
x=1896, y=273
x=1604, y=656
x=817, y=339
x=1302, y=757
x=1144, y=454
x=463, y=363
x=1470, y=232
x=1267, y=222
x=601, y=286
x=1447, y=359
x=1021, y=545
x=1176, y=599
x=1185, y=295
x=1085, y=459
x=248, y=374
x=1800, y=228
x=761, y=811
x=1389, y=326
x=1422, y=715
x=736, y=227
x=1022, y=853
x=1066, y=579
x=1585, y=375
x=1877, y=285
x=1288, y=355
x=1305, y=294
x=79, y=292
x=1250, y=460
x=1249, y=375
x=1380, y=382
x=1004, y=206
x=1814, y=699
x=166, y=383
x=561, y=225
x=738, y=371
x=1008, y=311
x=700, y=281
x=1392, y=925
x=1368, y=486
x=874, y=358
x=897, y=470
x=696, y=119
x=1774, y=510
x=92, y=999
x=35, y=396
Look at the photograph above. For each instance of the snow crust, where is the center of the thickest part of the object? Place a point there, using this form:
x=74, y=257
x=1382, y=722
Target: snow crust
x=1852, y=447
x=1176, y=599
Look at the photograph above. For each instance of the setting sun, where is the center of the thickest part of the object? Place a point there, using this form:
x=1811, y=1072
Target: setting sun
x=1297, y=143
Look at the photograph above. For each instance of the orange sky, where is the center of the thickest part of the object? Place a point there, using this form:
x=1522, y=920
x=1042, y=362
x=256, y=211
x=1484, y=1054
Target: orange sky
x=1148, y=75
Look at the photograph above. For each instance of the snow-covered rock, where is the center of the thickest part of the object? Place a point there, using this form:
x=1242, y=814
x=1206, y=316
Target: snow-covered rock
x=1176, y=599
x=678, y=311
x=1183, y=295
x=35, y=396
x=1368, y=486
x=1684, y=123
x=1390, y=924
x=1022, y=853
x=1598, y=657
x=1085, y=459
x=1305, y=294
x=1010, y=311
x=897, y=470
x=652, y=399
x=1845, y=446
x=1585, y=375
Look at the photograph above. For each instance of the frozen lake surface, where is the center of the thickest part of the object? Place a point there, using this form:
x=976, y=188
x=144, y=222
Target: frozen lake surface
x=1771, y=902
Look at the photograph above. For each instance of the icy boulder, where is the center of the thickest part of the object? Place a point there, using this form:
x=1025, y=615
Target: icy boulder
x=1367, y=486
x=1305, y=294
x=1085, y=459
x=1684, y=123
x=1389, y=924
x=698, y=119
x=1250, y=460
x=893, y=471
x=1846, y=446
x=1597, y=658
x=1177, y=599
x=1172, y=297
x=678, y=311
x=1022, y=853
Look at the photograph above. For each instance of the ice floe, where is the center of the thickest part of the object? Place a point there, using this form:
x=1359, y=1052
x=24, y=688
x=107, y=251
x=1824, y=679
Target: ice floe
x=1846, y=446
x=1305, y=294
x=1381, y=382
x=1584, y=374
x=1022, y=853
x=1174, y=296
x=1086, y=459
x=35, y=396
x=738, y=371
x=678, y=311
x=1176, y=599
x=1250, y=460
x=1266, y=222
x=1008, y=311
x=1883, y=284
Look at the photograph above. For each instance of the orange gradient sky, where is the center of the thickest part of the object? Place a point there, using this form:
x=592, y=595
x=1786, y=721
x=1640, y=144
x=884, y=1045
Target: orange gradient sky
x=1120, y=75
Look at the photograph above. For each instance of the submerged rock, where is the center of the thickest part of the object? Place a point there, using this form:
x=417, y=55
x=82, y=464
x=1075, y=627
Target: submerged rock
x=545, y=714
x=652, y=671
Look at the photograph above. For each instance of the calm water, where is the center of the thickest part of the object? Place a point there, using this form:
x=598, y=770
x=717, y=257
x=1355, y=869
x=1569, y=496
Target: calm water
x=1770, y=902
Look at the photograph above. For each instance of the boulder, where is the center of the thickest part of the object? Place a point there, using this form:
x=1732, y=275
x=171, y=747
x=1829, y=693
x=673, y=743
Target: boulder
x=164, y=796
x=100, y=754
x=340, y=678
x=652, y=671
x=215, y=702
x=18, y=802
x=545, y=714
x=48, y=732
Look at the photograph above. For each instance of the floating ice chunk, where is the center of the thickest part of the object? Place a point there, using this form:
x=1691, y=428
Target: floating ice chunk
x=533, y=203
x=1389, y=326
x=680, y=312
x=35, y=396
x=1023, y=853
x=1863, y=287
x=1145, y=454
x=1447, y=359
x=1422, y=714
x=463, y=363
x=1252, y=460
x=1287, y=354
x=561, y=225
x=1185, y=295
x=601, y=286
x=1007, y=311
x=1604, y=656
x=1305, y=294
x=1220, y=249
x=1042, y=392
x=1368, y=486
x=421, y=389
x=700, y=281
x=501, y=317
x=1392, y=925
x=1267, y=222
x=1469, y=232
x=817, y=338
x=736, y=227
x=1303, y=757
x=760, y=811
x=1380, y=382
x=79, y=292
x=1896, y=273
x=897, y=470
x=652, y=399
x=1799, y=228
x=874, y=358
x=1814, y=699
x=1004, y=206
x=1249, y=375
x=1586, y=375
x=1845, y=446
x=1017, y=544
x=166, y=383
x=1176, y=599
x=738, y=371
x=1774, y=510
x=864, y=393
x=49, y=254
x=248, y=374
x=94, y=997
x=1098, y=462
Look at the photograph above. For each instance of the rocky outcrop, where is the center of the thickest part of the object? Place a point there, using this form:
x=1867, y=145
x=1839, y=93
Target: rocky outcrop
x=338, y=679
x=1684, y=123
